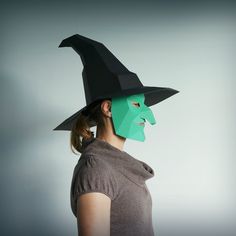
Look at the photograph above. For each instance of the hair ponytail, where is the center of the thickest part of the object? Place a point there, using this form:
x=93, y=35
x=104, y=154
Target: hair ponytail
x=80, y=131
x=81, y=128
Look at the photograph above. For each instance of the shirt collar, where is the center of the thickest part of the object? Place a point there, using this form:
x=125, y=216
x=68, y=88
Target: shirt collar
x=138, y=171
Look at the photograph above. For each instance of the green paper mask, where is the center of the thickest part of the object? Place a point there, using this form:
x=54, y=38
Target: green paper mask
x=127, y=113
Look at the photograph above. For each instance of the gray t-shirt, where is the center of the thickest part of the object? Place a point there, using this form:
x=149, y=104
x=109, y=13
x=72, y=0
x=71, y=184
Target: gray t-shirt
x=104, y=168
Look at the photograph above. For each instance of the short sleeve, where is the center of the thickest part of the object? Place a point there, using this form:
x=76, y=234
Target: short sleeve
x=95, y=175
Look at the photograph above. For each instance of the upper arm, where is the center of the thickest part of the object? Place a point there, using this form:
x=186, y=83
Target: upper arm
x=93, y=214
x=95, y=187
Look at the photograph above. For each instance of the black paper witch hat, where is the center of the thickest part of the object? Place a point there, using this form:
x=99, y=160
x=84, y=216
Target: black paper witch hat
x=104, y=76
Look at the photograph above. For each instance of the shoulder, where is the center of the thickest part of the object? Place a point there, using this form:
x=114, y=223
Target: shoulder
x=95, y=175
x=94, y=162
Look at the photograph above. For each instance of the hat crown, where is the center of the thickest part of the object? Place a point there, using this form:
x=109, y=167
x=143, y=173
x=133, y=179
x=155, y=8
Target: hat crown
x=103, y=74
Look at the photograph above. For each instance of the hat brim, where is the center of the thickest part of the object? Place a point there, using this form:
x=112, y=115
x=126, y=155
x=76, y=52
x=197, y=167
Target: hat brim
x=153, y=95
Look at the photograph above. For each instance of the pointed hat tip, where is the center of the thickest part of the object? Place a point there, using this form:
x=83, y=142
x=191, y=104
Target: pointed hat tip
x=62, y=44
x=67, y=41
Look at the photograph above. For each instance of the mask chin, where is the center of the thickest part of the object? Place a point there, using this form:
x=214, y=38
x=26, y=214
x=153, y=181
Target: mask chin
x=134, y=131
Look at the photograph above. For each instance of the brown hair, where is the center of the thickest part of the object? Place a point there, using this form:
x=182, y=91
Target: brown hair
x=81, y=128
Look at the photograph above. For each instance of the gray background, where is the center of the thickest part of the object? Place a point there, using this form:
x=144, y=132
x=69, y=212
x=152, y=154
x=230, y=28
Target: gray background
x=184, y=45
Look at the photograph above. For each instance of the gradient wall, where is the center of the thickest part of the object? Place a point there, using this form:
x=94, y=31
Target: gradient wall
x=188, y=46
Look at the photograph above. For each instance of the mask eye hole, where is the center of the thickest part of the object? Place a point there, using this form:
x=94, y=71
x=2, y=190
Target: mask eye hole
x=136, y=104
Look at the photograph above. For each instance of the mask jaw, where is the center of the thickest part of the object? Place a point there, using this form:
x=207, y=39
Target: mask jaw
x=140, y=136
x=134, y=132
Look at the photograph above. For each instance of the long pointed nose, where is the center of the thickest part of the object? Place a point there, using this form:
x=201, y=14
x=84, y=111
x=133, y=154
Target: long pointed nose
x=148, y=115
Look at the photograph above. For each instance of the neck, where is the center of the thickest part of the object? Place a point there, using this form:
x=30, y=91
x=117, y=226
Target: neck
x=107, y=134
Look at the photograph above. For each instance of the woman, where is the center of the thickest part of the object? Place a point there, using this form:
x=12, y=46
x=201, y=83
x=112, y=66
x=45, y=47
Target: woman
x=117, y=201
x=109, y=195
